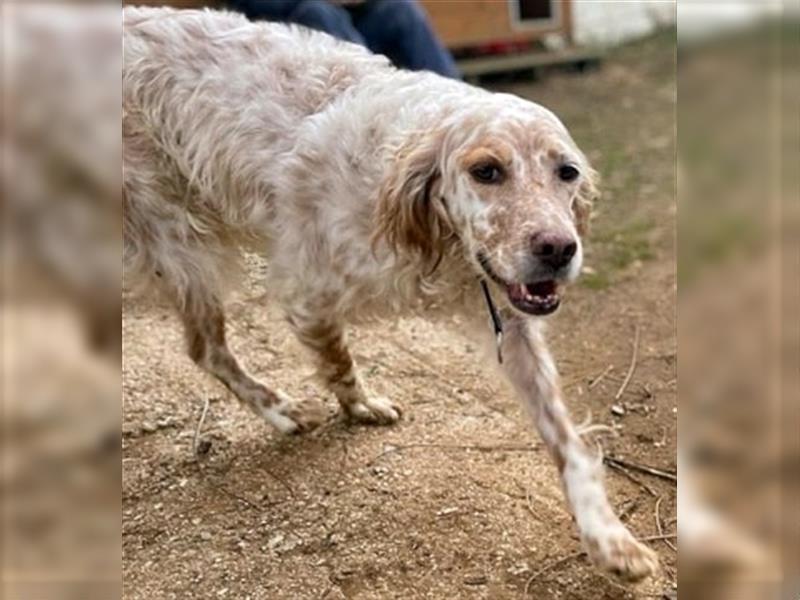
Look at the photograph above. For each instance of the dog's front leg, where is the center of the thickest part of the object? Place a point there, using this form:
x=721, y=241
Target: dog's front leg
x=531, y=370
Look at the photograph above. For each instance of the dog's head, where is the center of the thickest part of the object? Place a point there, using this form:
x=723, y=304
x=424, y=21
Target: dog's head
x=505, y=181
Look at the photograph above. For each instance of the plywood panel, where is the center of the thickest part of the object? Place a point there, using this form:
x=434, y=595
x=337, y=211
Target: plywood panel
x=468, y=22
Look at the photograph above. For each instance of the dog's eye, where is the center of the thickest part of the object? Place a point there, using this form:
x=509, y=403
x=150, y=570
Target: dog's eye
x=568, y=173
x=487, y=173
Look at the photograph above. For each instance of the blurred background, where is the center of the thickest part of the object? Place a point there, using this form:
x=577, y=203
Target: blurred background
x=716, y=279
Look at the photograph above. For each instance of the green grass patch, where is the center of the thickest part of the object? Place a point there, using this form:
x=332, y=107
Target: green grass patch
x=596, y=281
x=614, y=250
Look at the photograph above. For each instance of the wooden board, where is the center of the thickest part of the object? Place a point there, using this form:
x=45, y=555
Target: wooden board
x=463, y=23
x=473, y=68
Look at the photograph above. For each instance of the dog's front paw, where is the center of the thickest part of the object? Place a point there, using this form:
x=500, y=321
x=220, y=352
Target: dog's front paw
x=373, y=411
x=619, y=554
x=290, y=416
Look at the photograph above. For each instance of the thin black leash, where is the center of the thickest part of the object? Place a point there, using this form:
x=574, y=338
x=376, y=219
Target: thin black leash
x=497, y=323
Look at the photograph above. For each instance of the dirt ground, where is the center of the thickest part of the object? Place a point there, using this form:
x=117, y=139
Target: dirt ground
x=459, y=499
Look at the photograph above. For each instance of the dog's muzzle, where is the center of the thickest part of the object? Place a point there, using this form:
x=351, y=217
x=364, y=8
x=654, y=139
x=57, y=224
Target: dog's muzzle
x=536, y=298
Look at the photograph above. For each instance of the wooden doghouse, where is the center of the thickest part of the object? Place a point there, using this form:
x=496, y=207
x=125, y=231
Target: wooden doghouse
x=470, y=23
x=491, y=36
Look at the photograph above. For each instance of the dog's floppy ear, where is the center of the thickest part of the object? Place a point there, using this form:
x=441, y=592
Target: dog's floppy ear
x=410, y=213
x=588, y=193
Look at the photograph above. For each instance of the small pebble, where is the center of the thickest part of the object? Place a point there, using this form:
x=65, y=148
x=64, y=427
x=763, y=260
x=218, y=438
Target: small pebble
x=475, y=580
x=203, y=447
x=618, y=410
x=447, y=511
x=149, y=427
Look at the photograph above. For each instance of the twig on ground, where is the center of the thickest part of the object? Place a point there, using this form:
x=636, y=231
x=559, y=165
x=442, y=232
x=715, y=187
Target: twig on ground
x=487, y=487
x=632, y=367
x=230, y=494
x=270, y=473
x=550, y=567
x=529, y=502
x=480, y=448
x=659, y=528
x=609, y=460
x=655, y=538
x=629, y=509
x=199, y=428
x=198, y=462
x=628, y=475
x=600, y=377
x=221, y=488
x=279, y=480
x=586, y=427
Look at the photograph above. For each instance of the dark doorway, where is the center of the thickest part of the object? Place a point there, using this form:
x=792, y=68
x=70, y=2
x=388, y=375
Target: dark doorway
x=535, y=10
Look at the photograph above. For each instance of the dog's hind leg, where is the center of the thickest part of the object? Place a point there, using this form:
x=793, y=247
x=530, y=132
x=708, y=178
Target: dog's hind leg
x=204, y=325
x=336, y=368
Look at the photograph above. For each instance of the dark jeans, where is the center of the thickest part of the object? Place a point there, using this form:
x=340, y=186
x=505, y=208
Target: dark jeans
x=398, y=29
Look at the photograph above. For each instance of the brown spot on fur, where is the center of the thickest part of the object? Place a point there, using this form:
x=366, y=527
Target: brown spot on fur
x=204, y=325
x=409, y=213
x=337, y=357
x=217, y=328
x=327, y=340
x=584, y=201
x=269, y=399
x=558, y=458
x=488, y=150
x=197, y=344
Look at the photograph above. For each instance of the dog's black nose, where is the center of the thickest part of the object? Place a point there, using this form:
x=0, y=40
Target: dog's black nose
x=554, y=250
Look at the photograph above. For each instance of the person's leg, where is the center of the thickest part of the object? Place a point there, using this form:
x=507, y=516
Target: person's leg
x=400, y=30
x=324, y=16
x=270, y=10
x=316, y=14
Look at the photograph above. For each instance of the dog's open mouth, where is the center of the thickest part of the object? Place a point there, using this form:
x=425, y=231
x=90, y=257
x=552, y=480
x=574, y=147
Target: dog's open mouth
x=540, y=298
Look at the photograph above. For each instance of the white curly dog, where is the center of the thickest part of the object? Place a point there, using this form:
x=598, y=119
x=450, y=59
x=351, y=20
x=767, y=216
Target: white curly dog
x=372, y=192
